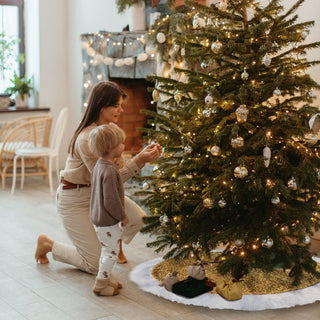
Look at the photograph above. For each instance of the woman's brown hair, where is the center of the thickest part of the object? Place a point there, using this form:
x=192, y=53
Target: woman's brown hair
x=103, y=94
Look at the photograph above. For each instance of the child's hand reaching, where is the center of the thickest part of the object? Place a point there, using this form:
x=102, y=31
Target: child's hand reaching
x=125, y=221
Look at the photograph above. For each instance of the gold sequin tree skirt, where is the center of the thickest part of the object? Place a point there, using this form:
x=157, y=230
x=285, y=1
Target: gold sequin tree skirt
x=261, y=290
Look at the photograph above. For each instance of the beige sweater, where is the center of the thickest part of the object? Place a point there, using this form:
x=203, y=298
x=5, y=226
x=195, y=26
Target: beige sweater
x=79, y=166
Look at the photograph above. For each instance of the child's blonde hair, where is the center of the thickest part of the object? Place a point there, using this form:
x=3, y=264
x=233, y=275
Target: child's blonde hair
x=105, y=138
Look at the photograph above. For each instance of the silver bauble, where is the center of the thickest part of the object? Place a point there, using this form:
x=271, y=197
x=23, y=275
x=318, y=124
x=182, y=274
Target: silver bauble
x=187, y=149
x=277, y=92
x=244, y=75
x=155, y=95
x=208, y=203
x=222, y=203
x=307, y=239
x=164, y=220
x=292, y=184
x=310, y=93
x=204, y=65
x=237, y=142
x=242, y=113
x=304, y=34
x=266, y=60
x=177, y=97
x=240, y=172
x=145, y=185
x=208, y=99
x=275, y=200
x=216, y=46
x=215, y=150
x=267, y=243
x=206, y=113
x=239, y=242
x=223, y=5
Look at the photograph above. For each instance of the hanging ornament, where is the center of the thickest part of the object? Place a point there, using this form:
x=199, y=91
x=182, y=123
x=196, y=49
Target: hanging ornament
x=216, y=46
x=240, y=172
x=208, y=203
x=177, y=97
x=237, y=142
x=304, y=34
x=198, y=22
x=161, y=38
x=244, y=75
x=292, y=184
x=209, y=21
x=277, y=92
x=318, y=173
x=310, y=138
x=310, y=93
x=204, y=65
x=108, y=61
x=187, y=149
x=208, y=99
x=183, y=51
x=275, y=200
x=142, y=57
x=128, y=61
x=206, y=113
x=242, y=113
x=307, y=239
x=223, y=5
x=215, y=150
x=164, y=220
x=222, y=203
x=266, y=60
x=239, y=242
x=145, y=185
x=155, y=169
x=266, y=156
x=155, y=95
x=267, y=243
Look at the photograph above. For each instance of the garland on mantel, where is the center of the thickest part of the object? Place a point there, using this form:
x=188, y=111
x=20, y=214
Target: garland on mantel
x=122, y=5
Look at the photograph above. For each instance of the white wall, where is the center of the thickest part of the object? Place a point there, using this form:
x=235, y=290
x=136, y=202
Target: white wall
x=56, y=63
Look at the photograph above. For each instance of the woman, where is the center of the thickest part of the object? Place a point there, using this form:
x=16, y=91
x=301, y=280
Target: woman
x=73, y=194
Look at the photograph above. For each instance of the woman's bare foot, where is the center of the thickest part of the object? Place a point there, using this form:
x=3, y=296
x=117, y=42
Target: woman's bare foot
x=44, y=245
x=121, y=257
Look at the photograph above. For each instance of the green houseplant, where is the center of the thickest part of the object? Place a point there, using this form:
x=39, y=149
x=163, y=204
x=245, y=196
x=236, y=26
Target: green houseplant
x=22, y=88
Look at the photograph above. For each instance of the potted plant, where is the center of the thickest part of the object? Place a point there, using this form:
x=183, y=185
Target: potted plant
x=22, y=88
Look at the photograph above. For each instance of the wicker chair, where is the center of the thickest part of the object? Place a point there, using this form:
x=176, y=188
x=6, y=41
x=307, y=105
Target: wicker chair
x=25, y=132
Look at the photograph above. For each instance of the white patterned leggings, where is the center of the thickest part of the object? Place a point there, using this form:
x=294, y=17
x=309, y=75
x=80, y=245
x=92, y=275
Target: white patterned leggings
x=109, y=238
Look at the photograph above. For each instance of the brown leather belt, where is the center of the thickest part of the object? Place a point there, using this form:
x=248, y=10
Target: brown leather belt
x=69, y=185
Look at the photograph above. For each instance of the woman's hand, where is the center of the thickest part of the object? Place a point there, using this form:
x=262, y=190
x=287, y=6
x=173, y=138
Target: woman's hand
x=150, y=153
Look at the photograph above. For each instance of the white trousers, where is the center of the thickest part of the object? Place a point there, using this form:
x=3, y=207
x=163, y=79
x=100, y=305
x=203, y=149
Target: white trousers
x=74, y=206
x=109, y=238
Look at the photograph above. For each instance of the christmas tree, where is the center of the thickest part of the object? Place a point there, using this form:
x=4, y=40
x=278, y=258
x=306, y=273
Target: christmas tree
x=241, y=164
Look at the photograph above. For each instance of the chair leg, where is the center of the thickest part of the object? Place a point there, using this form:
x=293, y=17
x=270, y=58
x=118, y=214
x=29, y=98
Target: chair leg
x=22, y=172
x=50, y=175
x=14, y=174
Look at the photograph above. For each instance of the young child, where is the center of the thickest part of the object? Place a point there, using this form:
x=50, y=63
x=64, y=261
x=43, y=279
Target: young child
x=107, y=202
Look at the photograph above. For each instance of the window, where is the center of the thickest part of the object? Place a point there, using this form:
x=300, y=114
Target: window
x=12, y=30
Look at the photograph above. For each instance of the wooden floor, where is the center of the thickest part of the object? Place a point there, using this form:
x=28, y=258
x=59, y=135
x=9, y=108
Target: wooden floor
x=57, y=291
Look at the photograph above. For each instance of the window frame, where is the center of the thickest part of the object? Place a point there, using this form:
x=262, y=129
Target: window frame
x=20, y=5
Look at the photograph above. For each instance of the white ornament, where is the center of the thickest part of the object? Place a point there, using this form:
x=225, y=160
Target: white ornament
x=292, y=184
x=161, y=38
x=266, y=60
x=311, y=138
x=277, y=92
x=267, y=243
x=151, y=50
x=266, y=156
x=208, y=203
x=216, y=46
x=215, y=150
x=208, y=99
x=304, y=34
x=187, y=149
x=275, y=200
x=307, y=239
x=223, y=5
x=108, y=61
x=206, y=113
x=142, y=57
x=164, y=220
x=128, y=61
x=244, y=75
x=237, y=142
x=242, y=113
x=239, y=242
x=183, y=51
x=97, y=59
x=91, y=52
x=85, y=45
x=222, y=203
x=240, y=172
x=145, y=185
x=119, y=63
x=310, y=93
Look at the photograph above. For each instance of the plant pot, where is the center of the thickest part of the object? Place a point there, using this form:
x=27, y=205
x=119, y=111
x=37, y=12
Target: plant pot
x=4, y=101
x=22, y=101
